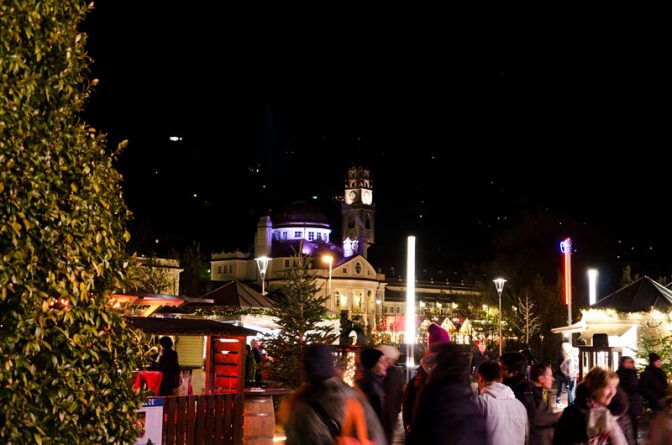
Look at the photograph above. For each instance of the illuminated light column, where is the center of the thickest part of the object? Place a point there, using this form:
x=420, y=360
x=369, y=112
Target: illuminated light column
x=592, y=286
x=410, y=305
x=262, y=265
x=566, y=249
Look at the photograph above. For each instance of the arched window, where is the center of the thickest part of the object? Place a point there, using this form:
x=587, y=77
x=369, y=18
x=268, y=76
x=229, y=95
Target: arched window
x=351, y=222
x=358, y=267
x=368, y=222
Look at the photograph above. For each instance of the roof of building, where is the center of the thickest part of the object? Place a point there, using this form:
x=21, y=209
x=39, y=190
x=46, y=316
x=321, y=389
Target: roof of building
x=289, y=248
x=639, y=296
x=301, y=213
x=187, y=326
x=235, y=294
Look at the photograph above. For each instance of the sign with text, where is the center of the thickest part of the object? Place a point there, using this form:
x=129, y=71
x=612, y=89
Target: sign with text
x=150, y=419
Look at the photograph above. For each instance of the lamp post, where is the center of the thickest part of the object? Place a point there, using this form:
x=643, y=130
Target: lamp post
x=328, y=259
x=262, y=265
x=499, y=285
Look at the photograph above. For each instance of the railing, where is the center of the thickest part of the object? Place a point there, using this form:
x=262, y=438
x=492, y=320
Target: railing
x=203, y=420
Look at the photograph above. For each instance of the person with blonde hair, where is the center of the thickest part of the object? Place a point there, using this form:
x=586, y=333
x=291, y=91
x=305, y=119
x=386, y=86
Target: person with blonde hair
x=588, y=421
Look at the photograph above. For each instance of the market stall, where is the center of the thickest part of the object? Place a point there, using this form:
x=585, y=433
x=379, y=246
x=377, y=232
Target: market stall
x=211, y=413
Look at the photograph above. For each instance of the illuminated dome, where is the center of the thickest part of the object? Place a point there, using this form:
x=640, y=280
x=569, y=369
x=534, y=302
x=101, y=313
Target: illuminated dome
x=301, y=213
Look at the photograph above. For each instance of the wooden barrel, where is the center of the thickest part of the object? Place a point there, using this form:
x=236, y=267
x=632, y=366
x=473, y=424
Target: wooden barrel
x=258, y=421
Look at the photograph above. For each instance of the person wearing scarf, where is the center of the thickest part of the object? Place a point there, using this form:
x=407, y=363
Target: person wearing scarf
x=588, y=421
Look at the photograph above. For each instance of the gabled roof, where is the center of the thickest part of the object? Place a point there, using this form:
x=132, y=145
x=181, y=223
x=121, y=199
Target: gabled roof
x=640, y=296
x=235, y=294
x=186, y=326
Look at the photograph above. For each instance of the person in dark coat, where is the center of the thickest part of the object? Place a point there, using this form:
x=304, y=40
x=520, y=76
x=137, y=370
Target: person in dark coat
x=437, y=337
x=480, y=354
x=619, y=407
x=393, y=388
x=374, y=367
x=169, y=367
x=513, y=366
x=322, y=389
x=629, y=382
x=447, y=414
x=653, y=382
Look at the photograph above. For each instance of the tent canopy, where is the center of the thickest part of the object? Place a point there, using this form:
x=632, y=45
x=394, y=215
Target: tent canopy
x=235, y=294
x=640, y=296
x=187, y=326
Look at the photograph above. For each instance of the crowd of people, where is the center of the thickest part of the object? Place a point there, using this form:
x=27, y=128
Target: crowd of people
x=511, y=402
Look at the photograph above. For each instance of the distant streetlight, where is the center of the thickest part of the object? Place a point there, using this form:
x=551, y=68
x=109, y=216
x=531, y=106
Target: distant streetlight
x=499, y=284
x=262, y=265
x=592, y=286
x=328, y=259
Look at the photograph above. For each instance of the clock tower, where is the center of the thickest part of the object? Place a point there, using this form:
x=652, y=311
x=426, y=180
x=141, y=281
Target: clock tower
x=358, y=211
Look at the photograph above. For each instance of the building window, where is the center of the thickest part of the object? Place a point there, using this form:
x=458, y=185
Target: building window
x=368, y=222
x=326, y=238
x=311, y=236
x=358, y=268
x=319, y=236
x=219, y=269
x=297, y=234
x=287, y=263
x=351, y=222
x=284, y=235
x=345, y=270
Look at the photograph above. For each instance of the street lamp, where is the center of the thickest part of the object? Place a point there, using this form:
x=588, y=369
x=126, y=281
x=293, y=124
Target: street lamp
x=499, y=284
x=262, y=265
x=328, y=259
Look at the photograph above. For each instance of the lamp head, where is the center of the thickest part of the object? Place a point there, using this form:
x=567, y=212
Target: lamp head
x=327, y=259
x=499, y=284
x=262, y=263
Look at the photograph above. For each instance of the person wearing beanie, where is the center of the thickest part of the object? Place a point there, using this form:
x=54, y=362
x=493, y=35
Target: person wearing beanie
x=393, y=388
x=653, y=382
x=322, y=390
x=436, y=336
x=370, y=383
x=369, y=358
x=447, y=413
x=318, y=363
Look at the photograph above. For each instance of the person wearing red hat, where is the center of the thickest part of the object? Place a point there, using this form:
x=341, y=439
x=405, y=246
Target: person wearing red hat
x=436, y=336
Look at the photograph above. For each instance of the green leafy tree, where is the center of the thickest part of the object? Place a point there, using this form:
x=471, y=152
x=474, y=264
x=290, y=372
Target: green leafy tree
x=65, y=355
x=147, y=276
x=300, y=312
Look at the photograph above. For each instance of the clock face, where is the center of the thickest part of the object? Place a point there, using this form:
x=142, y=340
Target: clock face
x=367, y=197
x=352, y=195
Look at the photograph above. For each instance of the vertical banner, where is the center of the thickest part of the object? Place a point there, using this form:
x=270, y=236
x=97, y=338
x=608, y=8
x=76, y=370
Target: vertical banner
x=150, y=417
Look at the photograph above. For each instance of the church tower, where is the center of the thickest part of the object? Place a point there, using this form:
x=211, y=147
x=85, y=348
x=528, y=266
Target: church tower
x=357, y=212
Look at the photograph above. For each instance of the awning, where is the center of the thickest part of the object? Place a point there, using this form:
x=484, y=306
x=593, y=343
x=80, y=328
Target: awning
x=588, y=329
x=187, y=326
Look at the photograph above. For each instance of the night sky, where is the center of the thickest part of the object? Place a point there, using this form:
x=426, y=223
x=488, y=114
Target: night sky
x=467, y=131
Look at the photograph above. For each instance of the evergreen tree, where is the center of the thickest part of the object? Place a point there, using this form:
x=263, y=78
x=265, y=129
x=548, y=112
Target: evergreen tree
x=66, y=357
x=300, y=311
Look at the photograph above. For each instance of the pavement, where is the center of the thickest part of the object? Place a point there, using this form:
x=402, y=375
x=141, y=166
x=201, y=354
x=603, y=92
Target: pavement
x=642, y=434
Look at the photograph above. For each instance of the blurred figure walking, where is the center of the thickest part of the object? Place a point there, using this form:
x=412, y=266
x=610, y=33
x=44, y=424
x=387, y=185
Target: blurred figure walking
x=446, y=412
x=319, y=404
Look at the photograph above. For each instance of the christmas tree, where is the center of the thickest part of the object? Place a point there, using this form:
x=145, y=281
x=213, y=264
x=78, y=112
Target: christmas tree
x=301, y=314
